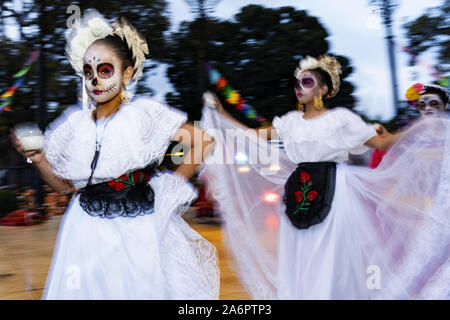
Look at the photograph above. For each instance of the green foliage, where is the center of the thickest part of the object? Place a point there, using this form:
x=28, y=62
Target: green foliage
x=257, y=52
x=431, y=30
x=43, y=24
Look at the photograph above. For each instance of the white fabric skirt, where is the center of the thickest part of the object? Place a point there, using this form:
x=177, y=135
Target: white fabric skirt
x=347, y=256
x=152, y=256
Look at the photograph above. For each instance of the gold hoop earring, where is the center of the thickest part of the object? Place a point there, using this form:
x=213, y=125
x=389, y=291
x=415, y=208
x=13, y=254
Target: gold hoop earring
x=125, y=95
x=318, y=103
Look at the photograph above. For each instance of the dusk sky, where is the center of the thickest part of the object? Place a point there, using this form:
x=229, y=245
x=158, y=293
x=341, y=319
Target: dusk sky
x=355, y=31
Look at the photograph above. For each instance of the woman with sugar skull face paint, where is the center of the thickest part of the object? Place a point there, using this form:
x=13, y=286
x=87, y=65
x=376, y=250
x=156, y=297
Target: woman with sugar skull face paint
x=429, y=100
x=305, y=225
x=122, y=236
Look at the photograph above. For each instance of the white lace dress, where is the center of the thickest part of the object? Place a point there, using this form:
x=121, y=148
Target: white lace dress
x=151, y=256
x=386, y=236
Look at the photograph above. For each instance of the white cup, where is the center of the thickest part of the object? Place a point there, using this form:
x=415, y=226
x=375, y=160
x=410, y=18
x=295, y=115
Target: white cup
x=30, y=136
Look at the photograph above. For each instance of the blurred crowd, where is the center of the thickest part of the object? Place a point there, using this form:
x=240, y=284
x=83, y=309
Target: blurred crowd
x=19, y=207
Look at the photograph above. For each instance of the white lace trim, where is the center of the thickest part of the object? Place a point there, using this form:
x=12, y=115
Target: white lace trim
x=138, y=135
x=201, y=264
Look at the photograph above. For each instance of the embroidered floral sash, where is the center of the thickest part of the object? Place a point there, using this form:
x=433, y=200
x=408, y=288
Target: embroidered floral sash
x=129, y=195
x=309, y=192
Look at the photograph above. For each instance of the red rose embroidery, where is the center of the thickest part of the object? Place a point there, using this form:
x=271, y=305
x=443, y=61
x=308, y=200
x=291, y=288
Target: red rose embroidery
x=116, y=185
x=137, y=176
x=304, y=176
x=312, y=195
x=129, y=180
x=304, y=195
x=140, y=176
x=298, y=196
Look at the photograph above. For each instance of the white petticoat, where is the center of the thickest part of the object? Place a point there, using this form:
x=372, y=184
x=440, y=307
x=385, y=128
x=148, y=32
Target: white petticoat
x=153, y=256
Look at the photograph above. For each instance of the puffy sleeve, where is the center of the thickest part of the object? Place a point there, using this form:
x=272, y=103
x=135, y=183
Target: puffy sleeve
x=59, y=138
x=283, y=124
x=168, y=120
x=60, y=121
x=152, y=129
x=355, y=133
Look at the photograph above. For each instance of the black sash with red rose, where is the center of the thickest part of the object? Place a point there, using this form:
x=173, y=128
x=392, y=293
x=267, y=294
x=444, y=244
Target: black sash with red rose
x=308, y=193
x=129, y=195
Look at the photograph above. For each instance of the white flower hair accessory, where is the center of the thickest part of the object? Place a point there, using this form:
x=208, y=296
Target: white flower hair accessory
x=136, y=43
x=308, y=63
x=94, y=26
x=328, y=64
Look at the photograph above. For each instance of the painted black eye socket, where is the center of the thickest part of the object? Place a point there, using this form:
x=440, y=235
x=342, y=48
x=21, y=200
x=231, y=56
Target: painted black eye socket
x=87, y=70
x=105, y=70
x=434, y=103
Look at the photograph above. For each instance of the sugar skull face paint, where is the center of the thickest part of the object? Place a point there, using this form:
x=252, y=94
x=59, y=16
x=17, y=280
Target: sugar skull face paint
x=105, y=70
x=430, y=105
x=102, y=73
x=306, y=87
x=305, y=82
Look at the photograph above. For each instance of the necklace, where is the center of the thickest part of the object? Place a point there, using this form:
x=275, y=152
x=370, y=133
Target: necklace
x=99, y=132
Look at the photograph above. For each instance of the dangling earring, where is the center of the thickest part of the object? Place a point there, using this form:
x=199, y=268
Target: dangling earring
x=299, y=106
x=318, y=103
x=125, y=95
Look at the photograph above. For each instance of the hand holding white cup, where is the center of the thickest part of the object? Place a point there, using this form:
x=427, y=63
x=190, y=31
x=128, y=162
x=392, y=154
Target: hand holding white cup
x=30, y=136
x=28, y=140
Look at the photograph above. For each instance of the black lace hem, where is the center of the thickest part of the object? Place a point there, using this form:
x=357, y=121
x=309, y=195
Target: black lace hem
x=97, y=200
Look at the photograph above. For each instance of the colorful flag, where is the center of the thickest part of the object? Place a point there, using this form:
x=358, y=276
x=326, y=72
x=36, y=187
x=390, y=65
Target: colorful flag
x=232, y=96
x=7, y=97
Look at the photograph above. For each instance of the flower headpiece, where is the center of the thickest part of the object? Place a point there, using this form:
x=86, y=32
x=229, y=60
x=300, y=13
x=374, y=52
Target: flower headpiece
x=414, y=92
x=94, y=26
x=136, y=43
x=328, y=64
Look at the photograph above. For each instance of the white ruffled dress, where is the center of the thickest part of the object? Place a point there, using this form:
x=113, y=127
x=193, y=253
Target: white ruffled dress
x=386, y=236
x=151, y=256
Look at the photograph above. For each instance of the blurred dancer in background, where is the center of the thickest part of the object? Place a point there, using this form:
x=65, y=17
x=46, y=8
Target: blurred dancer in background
x=340, y=231
x=430, y=100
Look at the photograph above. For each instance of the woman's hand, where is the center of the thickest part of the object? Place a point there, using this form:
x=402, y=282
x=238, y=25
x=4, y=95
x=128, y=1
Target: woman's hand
x=381, y=130
x=34, y=155
x=212, y=101
x=219, y=106
x=384, y=140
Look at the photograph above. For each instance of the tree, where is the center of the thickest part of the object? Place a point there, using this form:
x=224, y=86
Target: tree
x=202, y=8
x=431, y=30
x=257, y=52
x=42, y=25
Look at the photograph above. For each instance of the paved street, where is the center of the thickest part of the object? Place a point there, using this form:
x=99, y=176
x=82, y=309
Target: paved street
x=26, y=252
